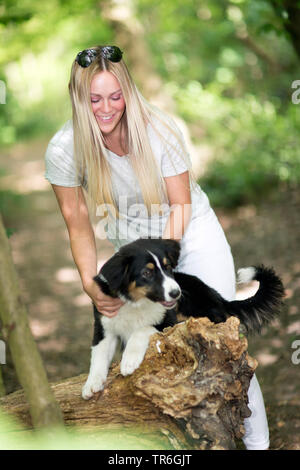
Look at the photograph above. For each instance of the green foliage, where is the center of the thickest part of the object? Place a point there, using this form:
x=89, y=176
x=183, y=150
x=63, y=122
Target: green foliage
x=39, y=41
x=254, y=143
x=14, y=437
x=228, y=64
x=229, y=67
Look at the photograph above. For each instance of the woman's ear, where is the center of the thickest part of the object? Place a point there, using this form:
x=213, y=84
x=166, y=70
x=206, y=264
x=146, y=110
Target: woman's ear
x=172, y=248
x=114, y=275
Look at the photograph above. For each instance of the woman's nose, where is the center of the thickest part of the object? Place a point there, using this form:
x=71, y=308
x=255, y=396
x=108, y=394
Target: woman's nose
x=106, y=107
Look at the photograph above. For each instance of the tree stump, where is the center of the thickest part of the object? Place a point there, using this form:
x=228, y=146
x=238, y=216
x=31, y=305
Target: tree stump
x=191, y=388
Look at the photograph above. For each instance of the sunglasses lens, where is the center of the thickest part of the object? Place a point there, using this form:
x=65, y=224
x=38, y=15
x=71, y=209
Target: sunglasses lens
x=86, y=57
x=112, y=53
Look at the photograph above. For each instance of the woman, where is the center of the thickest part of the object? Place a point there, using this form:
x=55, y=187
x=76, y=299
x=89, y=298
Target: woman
x=132, y=161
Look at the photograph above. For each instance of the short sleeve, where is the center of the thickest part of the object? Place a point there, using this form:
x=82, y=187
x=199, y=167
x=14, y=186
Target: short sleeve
x=60, y=167
x=175, y=158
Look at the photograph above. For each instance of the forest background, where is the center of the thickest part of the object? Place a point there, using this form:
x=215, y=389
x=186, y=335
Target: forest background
x=229, y=71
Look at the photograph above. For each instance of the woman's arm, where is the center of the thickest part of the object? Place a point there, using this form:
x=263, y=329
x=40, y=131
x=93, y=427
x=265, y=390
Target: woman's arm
x=83, y=246
x=179, y=195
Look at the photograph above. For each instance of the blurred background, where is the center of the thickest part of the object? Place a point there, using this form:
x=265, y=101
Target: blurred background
x=228, y=71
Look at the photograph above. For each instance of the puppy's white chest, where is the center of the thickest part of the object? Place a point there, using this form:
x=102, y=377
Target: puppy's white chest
x=132, y=316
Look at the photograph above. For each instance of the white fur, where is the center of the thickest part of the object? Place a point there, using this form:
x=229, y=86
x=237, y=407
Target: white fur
x=135, y=349
x=101, y=357
x=245, y=275
x=133, y=325
x=169, y=284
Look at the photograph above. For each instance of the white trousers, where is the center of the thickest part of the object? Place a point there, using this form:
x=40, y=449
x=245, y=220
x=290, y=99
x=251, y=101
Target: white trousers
x=206, y=254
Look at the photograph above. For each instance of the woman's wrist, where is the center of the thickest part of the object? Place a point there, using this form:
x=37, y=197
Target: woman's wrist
x=87, y=282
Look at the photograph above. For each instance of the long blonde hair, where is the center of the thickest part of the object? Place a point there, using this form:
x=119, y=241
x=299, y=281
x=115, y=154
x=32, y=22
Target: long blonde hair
x=89, y=148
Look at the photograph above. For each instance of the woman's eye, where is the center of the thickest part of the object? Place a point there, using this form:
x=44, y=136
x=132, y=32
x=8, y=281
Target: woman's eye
x=116, y=98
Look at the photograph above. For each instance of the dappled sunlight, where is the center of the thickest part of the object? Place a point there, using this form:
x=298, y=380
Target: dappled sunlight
x=265, y=358
x=294, y=328
x=293, y=310
x=43, y=306
x=276, y=343
x=42, y=328
x=81, y=300
x=67, y=275
x=219, y=69
x=57, y=345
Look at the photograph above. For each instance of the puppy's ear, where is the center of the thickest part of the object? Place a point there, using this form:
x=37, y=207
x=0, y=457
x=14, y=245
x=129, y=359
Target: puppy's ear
x=172, y=248
x=114, y=275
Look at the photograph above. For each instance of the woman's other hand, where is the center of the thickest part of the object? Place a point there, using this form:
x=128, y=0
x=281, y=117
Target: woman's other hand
x=108, y=306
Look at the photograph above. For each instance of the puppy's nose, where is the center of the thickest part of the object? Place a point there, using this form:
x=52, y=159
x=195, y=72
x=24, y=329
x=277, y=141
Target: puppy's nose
x=174, y=293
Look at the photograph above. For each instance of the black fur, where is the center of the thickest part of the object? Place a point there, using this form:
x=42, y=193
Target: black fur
x=197, y=299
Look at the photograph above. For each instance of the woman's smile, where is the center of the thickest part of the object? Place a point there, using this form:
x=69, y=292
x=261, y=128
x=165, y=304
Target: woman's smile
x=107, y=101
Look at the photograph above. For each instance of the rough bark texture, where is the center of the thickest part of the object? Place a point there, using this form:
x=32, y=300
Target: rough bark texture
x=191, y=388
x=16, y=333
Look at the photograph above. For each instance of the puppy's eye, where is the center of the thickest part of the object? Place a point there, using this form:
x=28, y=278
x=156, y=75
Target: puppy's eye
x=147, y=273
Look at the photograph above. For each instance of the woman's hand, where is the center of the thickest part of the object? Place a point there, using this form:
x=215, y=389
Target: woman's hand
x=105, y=304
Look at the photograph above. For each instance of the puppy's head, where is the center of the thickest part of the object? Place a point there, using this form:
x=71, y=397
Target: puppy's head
x=143, y=268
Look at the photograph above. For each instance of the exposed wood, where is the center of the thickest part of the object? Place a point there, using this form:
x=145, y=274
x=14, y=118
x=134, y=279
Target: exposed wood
x=191, y=389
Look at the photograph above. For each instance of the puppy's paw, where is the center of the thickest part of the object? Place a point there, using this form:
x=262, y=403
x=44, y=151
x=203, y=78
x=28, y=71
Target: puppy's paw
x=93, y=385
x=130, y=362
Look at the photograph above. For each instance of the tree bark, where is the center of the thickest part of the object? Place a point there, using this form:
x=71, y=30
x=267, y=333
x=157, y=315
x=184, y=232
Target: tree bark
x=43, y=407
x=191, y=389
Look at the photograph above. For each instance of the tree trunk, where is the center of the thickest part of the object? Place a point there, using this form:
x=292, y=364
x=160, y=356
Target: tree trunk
x=191, y=389
x=44, y=409
x=291, y=23
x=130, y=37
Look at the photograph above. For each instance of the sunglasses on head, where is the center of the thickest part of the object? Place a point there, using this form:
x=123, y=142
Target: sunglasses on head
x=86, y=57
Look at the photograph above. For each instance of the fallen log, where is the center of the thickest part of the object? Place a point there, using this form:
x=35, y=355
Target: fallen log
x=191, y=389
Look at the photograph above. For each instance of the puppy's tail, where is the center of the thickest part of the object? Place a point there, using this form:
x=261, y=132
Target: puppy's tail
x=265, y=305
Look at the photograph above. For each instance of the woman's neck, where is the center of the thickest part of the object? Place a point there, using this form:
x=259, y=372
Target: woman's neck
x=117, y=141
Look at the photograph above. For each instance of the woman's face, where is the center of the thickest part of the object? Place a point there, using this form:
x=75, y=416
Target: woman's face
x=107, y=101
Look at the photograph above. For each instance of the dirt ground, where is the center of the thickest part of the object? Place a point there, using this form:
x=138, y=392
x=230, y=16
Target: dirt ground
x=60, y=313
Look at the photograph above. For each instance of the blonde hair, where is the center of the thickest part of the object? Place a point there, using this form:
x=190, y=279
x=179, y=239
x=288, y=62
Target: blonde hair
x=89, y=148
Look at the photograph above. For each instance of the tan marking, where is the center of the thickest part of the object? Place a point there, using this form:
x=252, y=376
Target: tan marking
x=150, y=266
x=181, y=317
x=165, y=261
x=136, y=293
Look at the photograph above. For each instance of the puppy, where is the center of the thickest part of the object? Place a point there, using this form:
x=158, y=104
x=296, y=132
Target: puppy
x=142, y=275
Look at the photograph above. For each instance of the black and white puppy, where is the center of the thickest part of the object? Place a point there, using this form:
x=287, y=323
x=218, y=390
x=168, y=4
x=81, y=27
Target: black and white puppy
x=142, y=275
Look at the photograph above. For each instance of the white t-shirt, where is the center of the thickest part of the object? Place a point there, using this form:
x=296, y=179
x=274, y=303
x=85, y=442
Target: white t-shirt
x=134, y=221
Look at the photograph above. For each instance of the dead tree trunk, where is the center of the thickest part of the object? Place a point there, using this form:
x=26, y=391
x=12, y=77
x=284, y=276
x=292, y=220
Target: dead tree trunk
x=191, y=389
x=15, y=330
